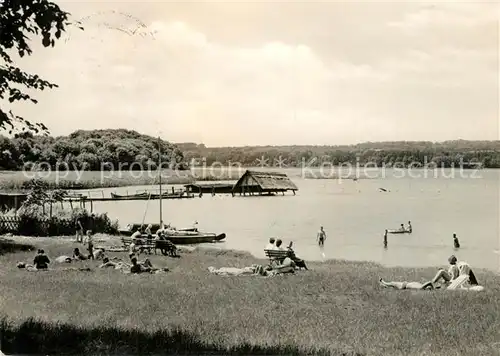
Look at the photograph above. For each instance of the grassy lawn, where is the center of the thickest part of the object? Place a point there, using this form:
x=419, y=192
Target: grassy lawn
x=335, y=308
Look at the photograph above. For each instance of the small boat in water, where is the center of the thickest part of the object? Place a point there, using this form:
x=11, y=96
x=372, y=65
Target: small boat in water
x=399, y=231
x=147, y=196
x=190, y=237
x=138, y=196
x=187, y=238
x=175, y=236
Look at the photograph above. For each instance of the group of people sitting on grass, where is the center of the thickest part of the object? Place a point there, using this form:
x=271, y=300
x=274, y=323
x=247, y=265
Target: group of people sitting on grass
x=277, y=245
x=41, y=261
x=458, y=275
x=134, y=266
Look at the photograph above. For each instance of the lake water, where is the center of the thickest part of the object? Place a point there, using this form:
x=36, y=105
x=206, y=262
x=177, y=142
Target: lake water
x=354, y=215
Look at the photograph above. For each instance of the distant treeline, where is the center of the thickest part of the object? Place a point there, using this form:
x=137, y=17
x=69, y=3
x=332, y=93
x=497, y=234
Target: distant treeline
x=129, y=150
x=400, y=153
x=89, y=150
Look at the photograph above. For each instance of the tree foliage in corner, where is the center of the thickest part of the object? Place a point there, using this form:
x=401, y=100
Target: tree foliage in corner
x=19, y=20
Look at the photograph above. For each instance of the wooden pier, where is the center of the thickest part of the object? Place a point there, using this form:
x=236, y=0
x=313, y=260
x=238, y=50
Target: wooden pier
x=209, y=188
x=251, y=183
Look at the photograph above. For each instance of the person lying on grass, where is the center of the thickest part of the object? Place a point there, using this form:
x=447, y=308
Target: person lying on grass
x=63, y=259
x=135, y=267
x=454, y=271
x=99, y=253
x=77, y=255
x=406, y=285
x=459, y=283
x=147, y=266
x=107, y=263
x=288, y=266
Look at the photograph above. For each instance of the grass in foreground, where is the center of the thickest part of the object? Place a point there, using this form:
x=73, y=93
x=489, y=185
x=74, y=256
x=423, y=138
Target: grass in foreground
x=336, y=308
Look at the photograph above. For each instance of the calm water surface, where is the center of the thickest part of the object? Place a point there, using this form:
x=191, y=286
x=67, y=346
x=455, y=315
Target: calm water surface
x=354, y=215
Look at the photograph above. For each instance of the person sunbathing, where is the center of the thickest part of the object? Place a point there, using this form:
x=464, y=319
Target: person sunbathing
x=288, y=266
x=100, y=253
x=459, y=283
x=147, y=266
x=234, y=271
x=119, y=265
x=106, y=263
x=77, y=255
x=63, y=259
x=406, y=285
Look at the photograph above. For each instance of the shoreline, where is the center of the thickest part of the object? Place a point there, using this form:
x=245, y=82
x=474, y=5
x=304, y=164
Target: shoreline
x=337, y=307
x=12, y=181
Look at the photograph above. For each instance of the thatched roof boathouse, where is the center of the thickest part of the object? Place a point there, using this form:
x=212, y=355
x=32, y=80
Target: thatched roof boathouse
x=263, y=183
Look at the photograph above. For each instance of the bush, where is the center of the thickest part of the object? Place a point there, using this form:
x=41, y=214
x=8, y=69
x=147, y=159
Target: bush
x=32, y=223
x=10, y=246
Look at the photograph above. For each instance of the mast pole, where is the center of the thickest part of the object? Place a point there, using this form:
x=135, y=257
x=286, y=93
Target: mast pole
x=159, y=176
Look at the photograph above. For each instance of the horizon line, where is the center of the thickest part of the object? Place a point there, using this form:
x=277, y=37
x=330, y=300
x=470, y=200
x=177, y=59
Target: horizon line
x=336, y=145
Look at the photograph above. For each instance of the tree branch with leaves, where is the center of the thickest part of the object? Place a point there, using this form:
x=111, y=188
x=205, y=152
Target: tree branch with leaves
x=20, y=20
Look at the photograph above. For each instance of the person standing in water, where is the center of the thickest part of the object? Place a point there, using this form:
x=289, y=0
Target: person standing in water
x=456, y=244
x=409, y=227
x=321, y=237
x=385, y=239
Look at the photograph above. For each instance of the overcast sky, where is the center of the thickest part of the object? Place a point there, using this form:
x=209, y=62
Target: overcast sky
x=256, y=73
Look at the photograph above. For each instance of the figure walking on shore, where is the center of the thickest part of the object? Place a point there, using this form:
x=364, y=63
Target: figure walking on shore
x=321, y=237
x=79, y=230
x=90, y=246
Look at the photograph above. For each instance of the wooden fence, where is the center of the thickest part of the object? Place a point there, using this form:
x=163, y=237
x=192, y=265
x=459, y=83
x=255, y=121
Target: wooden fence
x=9, y=224
x=47, y=226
